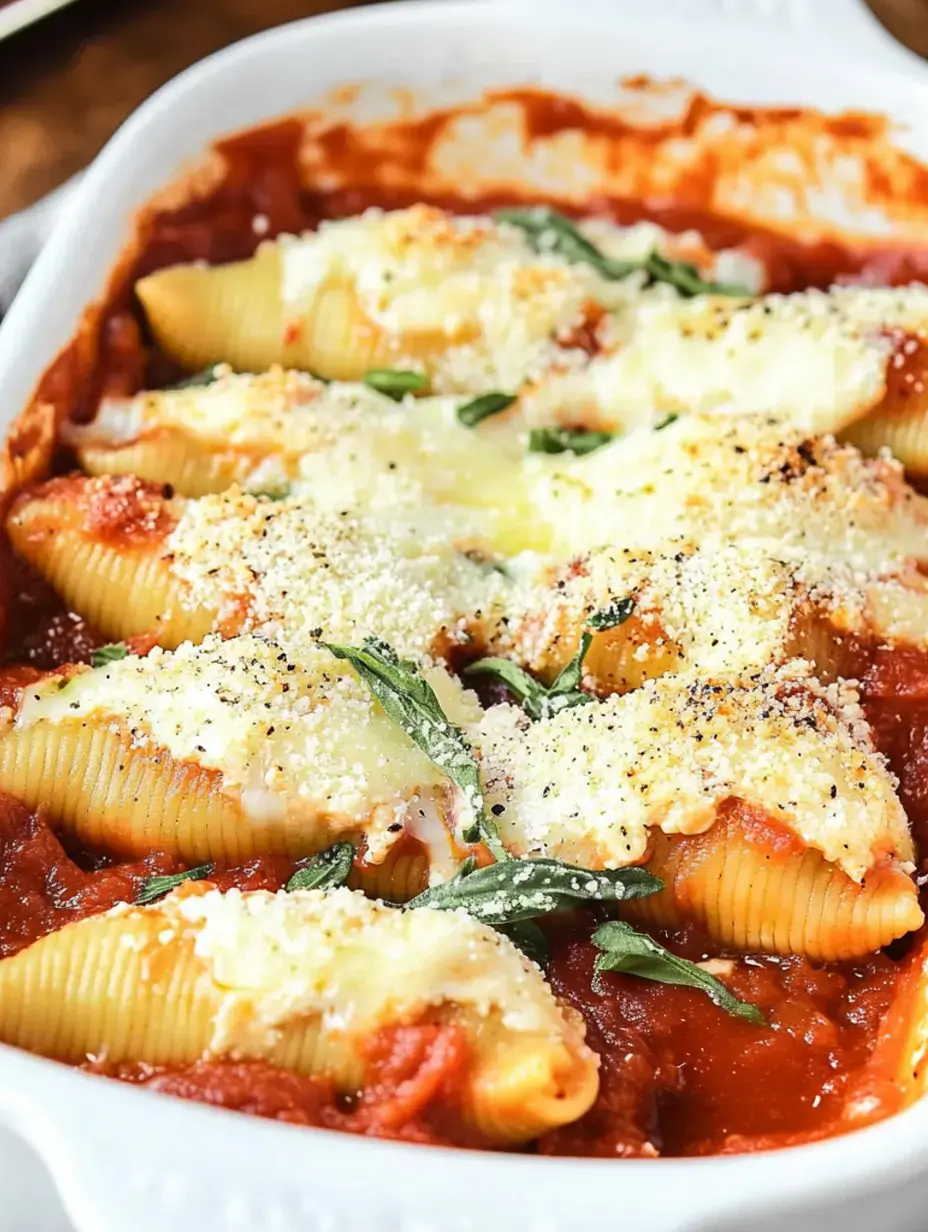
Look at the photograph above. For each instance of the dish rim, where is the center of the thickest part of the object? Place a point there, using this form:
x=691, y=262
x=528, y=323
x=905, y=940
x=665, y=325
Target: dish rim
x=877, y=1155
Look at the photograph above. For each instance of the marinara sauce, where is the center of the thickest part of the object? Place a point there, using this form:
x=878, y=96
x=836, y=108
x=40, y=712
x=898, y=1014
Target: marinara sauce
x=678, y=1075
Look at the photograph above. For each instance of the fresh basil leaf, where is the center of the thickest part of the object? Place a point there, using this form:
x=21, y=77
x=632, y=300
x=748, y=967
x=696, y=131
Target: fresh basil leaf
x=538, y=700
x=528, y=937
x=206, y=376
x=566, y=440
x=396, y=383
x=409, y=700
x=474, y=412
x=666, y=422
x=326, y=870
x=526, y=889
x=686, y=278
x=156, y=887
x=528, y=692
x=625, y=949
x=550, y=231
x=612, y=615
x=565, y=688
x=108, y=654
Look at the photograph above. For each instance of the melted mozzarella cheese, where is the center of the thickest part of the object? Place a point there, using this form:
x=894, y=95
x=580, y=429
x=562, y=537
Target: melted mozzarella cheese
x=760, y=477
x=819, y=358
x=292, y=737
x=298, y=574
x=500, y=311
x=344, y=441
x=353, y=963
x=587, y=784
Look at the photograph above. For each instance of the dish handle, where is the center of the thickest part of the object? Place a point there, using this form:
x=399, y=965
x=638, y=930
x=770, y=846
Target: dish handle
x=850, y=22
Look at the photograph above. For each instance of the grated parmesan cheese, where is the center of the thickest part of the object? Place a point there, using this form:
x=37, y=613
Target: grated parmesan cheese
x=587, y=784
x=353, y=963
x=296, y=738
x=819, y=358
x=299, y=574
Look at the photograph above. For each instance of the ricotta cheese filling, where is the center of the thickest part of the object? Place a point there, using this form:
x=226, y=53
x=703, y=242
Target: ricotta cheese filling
x=352, y=963
x=820, y=358
x=491, y=309
x=587, y=784
x=293, y=736
x=413, y=577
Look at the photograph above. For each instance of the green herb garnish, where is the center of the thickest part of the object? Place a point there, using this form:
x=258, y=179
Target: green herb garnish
x=541, y=701
x=550, y=231
x=396, y=383
x=666, y=422
x=156, y=887
x=206, y=376
x=409, y=700
x=108, y=654
x=615, y=613
x=526, y=889
x=566, y=440
x=625, y=949
x=474, y=412
x=528, y=937
x=327, y=870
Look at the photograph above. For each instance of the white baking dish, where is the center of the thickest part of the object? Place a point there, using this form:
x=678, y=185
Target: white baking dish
x=126, y=1159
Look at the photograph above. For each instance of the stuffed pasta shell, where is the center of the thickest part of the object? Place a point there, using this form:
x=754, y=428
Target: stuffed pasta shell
x=764, y=807
x=228, y=750
x=726, y=610
x=760, y=476
x=421, y=578
x=346, y=444
x=303, y=981
x=470, y=301
x=826, y=360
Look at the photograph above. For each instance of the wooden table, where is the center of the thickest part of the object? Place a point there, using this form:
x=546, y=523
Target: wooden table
x=68, y=82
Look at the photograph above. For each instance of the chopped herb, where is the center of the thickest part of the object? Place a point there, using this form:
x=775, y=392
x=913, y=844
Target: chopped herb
x=156, y=887
x=666, y=421
x=396, y=383
x=550, y=231
x=108, y=654
x=409, y=700
x=528, y=937
x=613, y=614
x=324, y=871
x=625, y=949
x=206, y=376
x=566, y=440
x=526, y=889
x=474, y=412
x=541, y=701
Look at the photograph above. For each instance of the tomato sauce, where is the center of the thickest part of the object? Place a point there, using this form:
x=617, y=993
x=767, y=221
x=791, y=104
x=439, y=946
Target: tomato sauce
x=678, y=1075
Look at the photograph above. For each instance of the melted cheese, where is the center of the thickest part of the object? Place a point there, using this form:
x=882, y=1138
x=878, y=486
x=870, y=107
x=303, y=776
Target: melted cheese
x=587, y=784
x=356, y=965
x=299, y=574
x=819, y=358
x=497, y=311
x=292, y=737
x=760, y=477
x=347, y=443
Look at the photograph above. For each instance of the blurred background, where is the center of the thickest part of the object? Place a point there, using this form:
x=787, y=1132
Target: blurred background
x=68, y=81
